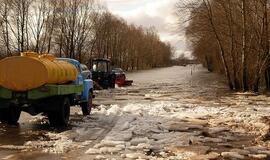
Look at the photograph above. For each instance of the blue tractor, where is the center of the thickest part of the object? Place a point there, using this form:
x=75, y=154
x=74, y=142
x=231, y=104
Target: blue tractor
x=102, y=74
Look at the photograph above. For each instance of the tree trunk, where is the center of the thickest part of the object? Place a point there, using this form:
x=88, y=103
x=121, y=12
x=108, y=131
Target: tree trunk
x=222, y=51
x=244, y=49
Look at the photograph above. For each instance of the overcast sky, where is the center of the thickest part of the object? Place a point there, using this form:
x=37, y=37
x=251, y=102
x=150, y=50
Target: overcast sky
x=157, y=13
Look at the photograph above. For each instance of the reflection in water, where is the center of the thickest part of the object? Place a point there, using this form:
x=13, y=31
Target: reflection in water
x=21, y=133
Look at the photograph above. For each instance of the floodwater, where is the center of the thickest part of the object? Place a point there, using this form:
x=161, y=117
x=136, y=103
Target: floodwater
x=169, y=113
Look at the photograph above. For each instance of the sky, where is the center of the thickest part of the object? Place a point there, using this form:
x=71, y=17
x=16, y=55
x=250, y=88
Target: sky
x=157, y=13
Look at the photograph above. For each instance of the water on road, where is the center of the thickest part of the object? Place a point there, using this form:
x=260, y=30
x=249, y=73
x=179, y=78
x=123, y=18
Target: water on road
x=169, y=113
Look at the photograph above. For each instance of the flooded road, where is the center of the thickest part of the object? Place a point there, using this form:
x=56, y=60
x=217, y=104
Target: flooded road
x=169, y=113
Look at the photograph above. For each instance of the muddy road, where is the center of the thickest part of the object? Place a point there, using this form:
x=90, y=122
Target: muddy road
x=169, y=113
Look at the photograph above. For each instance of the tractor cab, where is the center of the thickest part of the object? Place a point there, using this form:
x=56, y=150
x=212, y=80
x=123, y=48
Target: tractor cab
x=102, y=73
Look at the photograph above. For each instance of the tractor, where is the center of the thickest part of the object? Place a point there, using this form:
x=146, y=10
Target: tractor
x=102, y=74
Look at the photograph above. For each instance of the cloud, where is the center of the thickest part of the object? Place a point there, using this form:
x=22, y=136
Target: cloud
x=147, y=13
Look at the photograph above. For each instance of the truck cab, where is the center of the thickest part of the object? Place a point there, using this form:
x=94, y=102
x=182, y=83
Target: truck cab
x=85, y=98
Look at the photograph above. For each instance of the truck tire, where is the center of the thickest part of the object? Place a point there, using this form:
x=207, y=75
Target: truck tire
x=87, y=106
x=10, y=115
x=60, y=117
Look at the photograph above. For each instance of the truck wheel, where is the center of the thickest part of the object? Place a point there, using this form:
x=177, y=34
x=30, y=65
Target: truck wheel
x=87, y=106
x=10, y=115
x=60, y=117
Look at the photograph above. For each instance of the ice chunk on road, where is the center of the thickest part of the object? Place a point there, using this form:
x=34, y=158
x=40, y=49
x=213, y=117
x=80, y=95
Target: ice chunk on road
x=135, y=156
x=232, y=155
x=109, y=143
x=125, y=126
x=100, y=157
x=136, y=141
x=258, y=156
x=140, y=146
x=120, y=136
x=93, y=151
x=114, y=110
x=111, y=150
x=145, y=126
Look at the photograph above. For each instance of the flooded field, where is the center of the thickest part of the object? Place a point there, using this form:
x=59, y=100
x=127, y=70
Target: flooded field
x=169, y=113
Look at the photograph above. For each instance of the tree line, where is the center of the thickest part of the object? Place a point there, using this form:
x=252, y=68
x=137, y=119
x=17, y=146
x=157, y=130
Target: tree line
x=231, y=37
x=182, y=60
x=80, y=29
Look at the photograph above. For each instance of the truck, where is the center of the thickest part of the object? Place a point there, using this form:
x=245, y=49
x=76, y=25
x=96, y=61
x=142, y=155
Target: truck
x=43, y=84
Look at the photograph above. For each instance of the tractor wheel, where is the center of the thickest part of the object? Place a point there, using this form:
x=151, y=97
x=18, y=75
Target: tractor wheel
x=112, y=81
x=10, y=115
x=112, y=85
x=60, y=117
x=106, y=84
x=87, y=106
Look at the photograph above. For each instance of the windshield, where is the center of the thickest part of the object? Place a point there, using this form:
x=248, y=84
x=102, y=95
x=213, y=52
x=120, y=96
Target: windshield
x=100, y=66
x=84, y=67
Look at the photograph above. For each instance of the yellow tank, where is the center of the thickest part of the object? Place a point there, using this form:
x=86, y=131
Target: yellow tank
x=30, y=71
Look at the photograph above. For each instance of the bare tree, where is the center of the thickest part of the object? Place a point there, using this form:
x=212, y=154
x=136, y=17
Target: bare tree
x=81, y=29
x=240, y=29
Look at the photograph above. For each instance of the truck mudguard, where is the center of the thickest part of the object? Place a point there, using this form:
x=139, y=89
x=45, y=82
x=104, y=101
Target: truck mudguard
x=88, y=85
